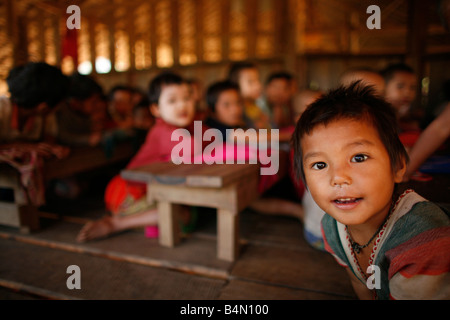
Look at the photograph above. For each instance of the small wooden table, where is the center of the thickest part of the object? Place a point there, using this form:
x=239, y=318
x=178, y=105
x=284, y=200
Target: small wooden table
x=227, y=187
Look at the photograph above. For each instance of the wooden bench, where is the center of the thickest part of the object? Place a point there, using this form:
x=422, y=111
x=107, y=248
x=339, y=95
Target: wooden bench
x=24, y=216
x=227, y=187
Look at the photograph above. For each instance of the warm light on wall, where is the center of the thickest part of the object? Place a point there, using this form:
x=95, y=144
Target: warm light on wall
x=85, y=67
x=102, y=65
x=67, y=65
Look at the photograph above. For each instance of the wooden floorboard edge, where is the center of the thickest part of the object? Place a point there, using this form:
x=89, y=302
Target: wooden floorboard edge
x=280, y=285
x=34, y=291
x=113, y=255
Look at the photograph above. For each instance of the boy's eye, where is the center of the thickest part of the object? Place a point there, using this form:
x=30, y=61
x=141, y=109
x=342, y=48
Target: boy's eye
x=319, y=165
x=359, y=158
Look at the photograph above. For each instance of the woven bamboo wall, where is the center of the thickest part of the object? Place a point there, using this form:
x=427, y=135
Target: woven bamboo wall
x=129, y=40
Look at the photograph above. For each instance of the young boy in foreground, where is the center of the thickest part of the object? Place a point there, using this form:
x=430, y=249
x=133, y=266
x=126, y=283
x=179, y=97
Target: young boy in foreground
x=348, y=152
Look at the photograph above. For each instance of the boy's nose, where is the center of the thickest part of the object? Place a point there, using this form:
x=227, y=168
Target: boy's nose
x=340, y=177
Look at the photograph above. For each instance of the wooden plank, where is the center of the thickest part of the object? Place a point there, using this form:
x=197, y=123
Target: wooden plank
x=196, y=256
x=240, y=289
x=101, y=278
x=196, y=175
x=305, y=268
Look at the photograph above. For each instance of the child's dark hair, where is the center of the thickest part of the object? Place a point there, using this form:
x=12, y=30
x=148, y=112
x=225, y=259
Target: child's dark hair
x=214, y=91
x=237, y=67
x=356, y=102
x=162, y=79
x=389, y=72
x=279, y=75
x=37, y=82
x=83, y=87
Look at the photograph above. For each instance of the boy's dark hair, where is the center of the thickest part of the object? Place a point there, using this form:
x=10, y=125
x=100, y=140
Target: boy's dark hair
x=388, y=72
x=37, y=82
x=237, y=67
x=355, y=102
x=215, y=90
x=162, y=79
x=279, y=75
x=83, y=87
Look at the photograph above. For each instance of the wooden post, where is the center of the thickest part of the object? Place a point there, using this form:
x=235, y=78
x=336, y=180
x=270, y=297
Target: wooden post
x=153, y=36
x=168, y=223
x=93, y=51
x=225, y=34
x=227, y=234
x=416, y=38
x=252, y=30
x=175, y=41
x=111, y=27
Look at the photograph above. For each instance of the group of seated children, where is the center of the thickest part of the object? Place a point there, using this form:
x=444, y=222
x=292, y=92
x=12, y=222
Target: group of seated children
x=48, y=113
x=344, y=158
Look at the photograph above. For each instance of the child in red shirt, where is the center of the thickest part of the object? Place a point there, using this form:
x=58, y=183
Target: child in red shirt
x=173, y=108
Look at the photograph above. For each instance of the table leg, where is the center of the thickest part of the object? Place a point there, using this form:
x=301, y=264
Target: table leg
x=227, y=234
x=168, y=223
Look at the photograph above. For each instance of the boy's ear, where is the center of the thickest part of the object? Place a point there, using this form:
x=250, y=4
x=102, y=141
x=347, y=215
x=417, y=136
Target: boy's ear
x=155, y=110
x=400, y=172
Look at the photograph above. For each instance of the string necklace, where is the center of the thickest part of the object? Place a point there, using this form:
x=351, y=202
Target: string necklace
x=356, y=246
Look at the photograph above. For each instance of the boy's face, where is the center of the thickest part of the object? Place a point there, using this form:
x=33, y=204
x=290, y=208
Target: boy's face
x=175, y=105
x=250, y=84
x=401, y=90
x=348, y=171
x=279, y=91
x=229, y=108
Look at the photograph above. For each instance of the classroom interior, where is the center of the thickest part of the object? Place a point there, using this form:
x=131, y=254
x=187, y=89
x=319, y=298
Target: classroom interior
x=129, y=42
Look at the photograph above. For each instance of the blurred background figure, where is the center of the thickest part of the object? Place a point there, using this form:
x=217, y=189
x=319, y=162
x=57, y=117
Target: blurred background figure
x=76, y=126
x=367, y=75
x=121, y=100
x=276, y=100
x=401, y=90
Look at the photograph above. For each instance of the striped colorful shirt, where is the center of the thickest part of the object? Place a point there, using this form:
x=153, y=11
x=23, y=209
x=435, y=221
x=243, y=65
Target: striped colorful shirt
x=412, y=250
